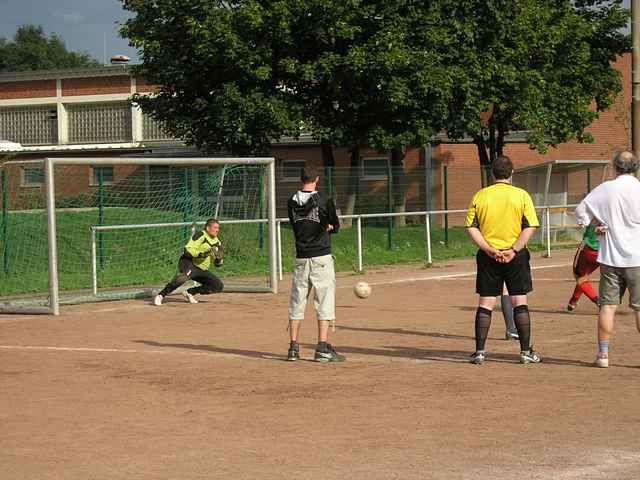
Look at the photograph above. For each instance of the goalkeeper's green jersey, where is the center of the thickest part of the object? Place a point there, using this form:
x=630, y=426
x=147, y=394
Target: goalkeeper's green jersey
x=199, y=247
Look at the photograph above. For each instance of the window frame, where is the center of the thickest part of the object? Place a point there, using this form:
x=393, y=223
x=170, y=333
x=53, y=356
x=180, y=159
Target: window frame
x=23, y=177
x=82, y=130
x=363, y=174
x=30, y=125
x=284, y=178
x=93, y=180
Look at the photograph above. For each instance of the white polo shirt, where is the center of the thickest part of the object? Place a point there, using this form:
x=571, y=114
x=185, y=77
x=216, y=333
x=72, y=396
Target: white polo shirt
x=616, y=204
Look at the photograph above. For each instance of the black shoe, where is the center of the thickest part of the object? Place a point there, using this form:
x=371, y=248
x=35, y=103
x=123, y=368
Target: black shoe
x=328, y=355
x=293, y=354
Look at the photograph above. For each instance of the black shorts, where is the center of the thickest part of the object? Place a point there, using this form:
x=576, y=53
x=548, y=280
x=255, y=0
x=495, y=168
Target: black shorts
x=492, y=275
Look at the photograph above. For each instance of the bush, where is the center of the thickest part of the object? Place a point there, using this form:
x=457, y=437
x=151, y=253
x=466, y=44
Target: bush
x=83, y=200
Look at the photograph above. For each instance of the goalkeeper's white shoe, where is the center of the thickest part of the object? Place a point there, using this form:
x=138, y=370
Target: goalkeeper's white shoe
x=188, y=297
x=157, y=300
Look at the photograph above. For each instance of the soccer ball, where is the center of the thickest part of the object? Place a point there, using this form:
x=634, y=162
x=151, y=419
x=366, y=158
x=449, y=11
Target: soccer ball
x=362, y=290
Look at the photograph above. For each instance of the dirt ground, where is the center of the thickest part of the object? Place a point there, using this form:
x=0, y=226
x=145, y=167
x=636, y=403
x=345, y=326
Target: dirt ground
x=125, y=390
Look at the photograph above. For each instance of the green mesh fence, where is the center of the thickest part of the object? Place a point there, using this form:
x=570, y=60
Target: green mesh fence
x=134, y=196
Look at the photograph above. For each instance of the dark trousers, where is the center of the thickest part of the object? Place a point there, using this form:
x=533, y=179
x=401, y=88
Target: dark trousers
x=209, y=283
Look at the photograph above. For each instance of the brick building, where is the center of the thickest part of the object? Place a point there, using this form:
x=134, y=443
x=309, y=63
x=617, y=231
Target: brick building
x=86, y=112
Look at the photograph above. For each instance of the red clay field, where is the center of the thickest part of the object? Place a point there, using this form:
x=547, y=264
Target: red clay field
x=125, y=390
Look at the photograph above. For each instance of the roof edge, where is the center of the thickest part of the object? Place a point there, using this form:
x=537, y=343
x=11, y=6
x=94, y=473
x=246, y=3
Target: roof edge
x=84, y=72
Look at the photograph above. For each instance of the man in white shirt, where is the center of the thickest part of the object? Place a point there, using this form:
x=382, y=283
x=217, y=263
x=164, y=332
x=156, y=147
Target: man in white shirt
x=615, y=207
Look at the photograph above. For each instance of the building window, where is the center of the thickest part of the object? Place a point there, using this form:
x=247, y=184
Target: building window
x=291, y=170
x=30, y=125
x=152, y=129
x=107, y=175
x=160, y=172
x=32, y=176
x=375, y=168
x=99, y=122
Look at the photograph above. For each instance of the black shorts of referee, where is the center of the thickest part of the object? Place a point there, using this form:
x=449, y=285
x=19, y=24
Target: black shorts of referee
x=491, y=276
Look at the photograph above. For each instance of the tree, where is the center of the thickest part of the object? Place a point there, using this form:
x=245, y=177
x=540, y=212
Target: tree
x=367, y=73
x=540, y=66
x=238, y=75
x=217, y=67
x=31, y=49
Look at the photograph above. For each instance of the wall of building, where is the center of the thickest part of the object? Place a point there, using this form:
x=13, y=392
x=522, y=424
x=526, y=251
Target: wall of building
x=28, y=89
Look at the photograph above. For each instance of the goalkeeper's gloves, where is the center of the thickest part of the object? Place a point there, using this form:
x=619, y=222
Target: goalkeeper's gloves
x=217, y=253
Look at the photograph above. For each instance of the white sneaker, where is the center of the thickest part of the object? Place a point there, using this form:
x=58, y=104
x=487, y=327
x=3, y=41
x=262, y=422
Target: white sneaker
x=157, y=300
x=511, y=336
x=602, y=362
x=188, y=297
x=529, y=356
x=477, y=358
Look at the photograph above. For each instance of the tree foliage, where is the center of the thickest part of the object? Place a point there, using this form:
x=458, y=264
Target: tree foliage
x=216, y=64
x=542, y=66
x=240, y=74
x=31, y=49
x=367, y=72
x=387, y=73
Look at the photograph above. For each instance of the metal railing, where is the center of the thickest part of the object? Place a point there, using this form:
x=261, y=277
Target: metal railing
x=546, y=233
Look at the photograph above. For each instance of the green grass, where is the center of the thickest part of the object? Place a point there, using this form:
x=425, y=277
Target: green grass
x=149, y=257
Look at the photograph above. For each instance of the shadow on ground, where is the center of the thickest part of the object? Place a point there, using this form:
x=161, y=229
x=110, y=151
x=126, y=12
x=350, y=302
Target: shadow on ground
x=410, y=353
x=444, y=355
x=214, y=349
x=404, y=331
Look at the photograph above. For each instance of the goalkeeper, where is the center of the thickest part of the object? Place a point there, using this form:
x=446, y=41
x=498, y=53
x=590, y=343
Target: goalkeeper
x=202, y=249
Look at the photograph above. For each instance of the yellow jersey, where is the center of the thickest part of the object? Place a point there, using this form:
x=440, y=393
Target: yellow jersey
x=501, y=211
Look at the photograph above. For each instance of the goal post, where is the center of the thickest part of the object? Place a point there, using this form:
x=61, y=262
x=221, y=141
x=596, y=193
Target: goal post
x=115, y=227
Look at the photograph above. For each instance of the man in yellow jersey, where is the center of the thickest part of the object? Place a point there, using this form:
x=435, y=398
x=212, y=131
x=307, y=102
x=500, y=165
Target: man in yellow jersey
x=203, y=249
x=501, y=219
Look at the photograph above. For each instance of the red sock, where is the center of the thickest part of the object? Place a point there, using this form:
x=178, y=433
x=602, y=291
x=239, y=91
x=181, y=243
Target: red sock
x=577, y=292
x=588, y=290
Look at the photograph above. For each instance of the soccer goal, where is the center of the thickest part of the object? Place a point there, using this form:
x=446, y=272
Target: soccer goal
x=556, y=187
x=76, y=230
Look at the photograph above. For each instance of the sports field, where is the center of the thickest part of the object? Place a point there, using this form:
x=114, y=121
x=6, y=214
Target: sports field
x=125, y=390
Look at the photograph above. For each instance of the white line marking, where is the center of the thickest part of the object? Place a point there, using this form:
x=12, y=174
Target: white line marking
x=170, y=350
x=536, y=279
x=76, y=349
x=448, y=276
x=608, y=464
x=177, y=351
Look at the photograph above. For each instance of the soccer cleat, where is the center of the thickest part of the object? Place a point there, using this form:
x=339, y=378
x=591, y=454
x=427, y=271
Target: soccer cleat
x=602, y=362
x=571, y=306
x=293, y=354
x=511, y=336
x=477, y=358
x=188, y=297
x=529, y=357
x=328, y=355
x=157, y=300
